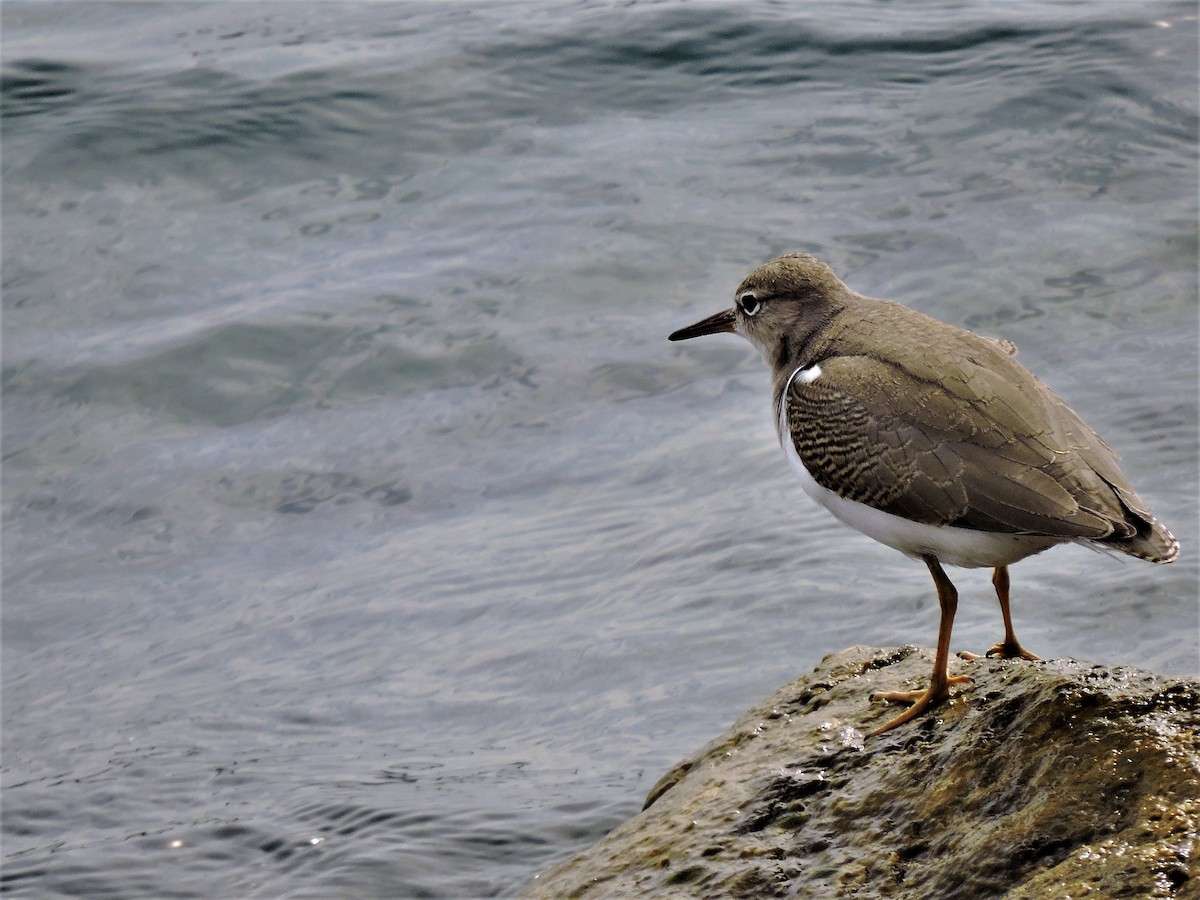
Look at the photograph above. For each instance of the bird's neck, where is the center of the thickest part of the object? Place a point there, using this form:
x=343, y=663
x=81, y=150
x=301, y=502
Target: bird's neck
x=799, y=348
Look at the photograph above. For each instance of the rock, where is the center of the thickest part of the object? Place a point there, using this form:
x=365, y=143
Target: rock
x=1050, y=779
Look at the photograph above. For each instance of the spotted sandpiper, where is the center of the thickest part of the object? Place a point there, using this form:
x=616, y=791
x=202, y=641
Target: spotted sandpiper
x=929, y=439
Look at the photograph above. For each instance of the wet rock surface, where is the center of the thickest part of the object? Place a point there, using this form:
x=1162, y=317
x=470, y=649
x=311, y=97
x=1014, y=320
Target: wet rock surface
x=1046, y=779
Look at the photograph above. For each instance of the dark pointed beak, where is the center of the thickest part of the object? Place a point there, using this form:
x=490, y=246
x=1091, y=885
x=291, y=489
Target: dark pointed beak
x=722, y=321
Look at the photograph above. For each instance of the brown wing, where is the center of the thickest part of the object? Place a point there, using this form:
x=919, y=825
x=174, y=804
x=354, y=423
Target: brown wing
x=983, y=446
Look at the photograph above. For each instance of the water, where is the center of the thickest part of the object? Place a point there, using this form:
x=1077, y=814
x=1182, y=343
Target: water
x=363, y=535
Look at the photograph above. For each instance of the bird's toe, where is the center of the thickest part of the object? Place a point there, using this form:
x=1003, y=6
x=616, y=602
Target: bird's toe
x=1011, y=650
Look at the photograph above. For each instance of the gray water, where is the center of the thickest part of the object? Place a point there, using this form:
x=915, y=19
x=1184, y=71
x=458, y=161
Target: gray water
x=363, y=535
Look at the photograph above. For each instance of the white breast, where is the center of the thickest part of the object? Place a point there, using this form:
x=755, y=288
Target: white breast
x=952, y=546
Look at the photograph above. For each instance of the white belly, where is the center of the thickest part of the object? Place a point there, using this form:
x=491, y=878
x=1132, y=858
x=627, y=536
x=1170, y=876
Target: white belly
x=952, y=546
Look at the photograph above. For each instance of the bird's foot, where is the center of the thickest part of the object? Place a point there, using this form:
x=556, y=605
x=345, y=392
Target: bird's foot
x=934, y=695
x=1011, y=650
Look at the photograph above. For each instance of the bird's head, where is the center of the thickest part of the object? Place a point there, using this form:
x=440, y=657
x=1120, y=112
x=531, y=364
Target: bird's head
x=778, y=307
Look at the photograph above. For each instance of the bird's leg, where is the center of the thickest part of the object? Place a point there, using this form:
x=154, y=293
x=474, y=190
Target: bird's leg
x=939, y=683
x=1010, y=648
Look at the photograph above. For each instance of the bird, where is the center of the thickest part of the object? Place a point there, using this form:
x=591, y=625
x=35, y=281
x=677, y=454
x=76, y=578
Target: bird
x=930, y=439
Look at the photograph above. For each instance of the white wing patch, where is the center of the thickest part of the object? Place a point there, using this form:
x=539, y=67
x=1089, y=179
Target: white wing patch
x=809, y=375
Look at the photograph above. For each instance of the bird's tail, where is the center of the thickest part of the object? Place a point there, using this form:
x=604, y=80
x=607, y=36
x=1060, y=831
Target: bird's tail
x=1153, y=543
x=1150, y=539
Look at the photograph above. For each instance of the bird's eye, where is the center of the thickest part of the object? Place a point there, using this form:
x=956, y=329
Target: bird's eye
x=749, y=303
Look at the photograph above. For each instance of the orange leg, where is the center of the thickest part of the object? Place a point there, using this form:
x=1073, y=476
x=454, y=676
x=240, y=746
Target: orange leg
x=1010, y=648
x=939, y=683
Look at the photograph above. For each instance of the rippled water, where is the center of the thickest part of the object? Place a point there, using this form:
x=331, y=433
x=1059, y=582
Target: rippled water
x=363, y=536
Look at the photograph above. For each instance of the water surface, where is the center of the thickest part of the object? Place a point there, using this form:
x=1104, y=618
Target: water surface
x=363, y=535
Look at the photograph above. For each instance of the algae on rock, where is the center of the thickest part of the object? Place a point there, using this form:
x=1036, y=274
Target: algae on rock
x=1050, y=779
